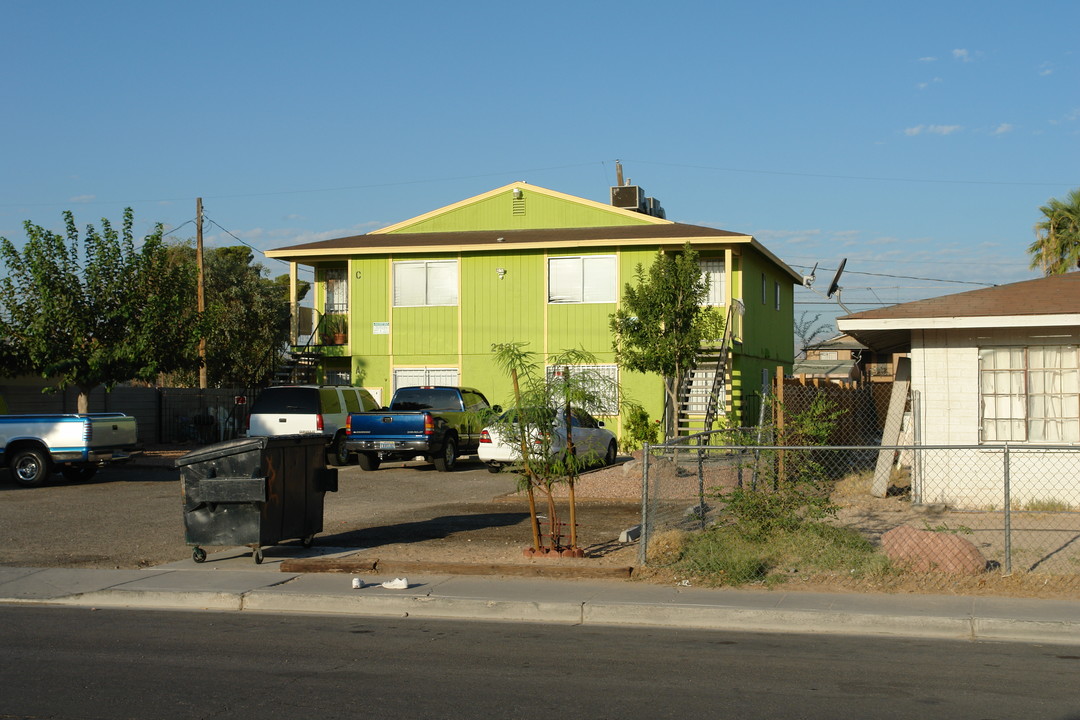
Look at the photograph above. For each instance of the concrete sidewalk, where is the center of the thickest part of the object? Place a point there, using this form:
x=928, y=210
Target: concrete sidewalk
x=231, y=581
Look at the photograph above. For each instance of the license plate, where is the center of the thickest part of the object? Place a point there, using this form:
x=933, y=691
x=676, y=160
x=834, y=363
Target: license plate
x=386, y=444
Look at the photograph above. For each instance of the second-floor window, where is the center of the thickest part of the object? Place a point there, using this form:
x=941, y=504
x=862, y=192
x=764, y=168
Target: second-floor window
x=714, y=270
x=582, y=279
x=337, y=290
x=425, y=282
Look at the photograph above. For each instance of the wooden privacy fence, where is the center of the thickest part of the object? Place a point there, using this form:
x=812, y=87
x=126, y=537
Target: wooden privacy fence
x=164, y=415
x=863, y=406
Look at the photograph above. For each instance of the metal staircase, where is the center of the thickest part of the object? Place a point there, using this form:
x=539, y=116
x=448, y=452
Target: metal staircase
x=701, y=395
x=298, y=367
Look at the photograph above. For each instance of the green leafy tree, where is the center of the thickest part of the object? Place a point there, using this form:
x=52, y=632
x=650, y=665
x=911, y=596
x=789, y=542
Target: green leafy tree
x=92, y=311
x=539, y=398
x=246, y=323
x=660, y=323
x=1056, y=249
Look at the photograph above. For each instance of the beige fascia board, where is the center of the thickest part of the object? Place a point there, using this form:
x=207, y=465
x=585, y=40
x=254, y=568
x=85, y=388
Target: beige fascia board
x=955, y=323
x=338, y=253
x=524, y=186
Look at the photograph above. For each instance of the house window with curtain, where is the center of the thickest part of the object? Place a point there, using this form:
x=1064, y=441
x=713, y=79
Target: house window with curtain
x=714, y=271
x=1030, y=394
x=583, y=279
x=337, y=291
x=425, y=282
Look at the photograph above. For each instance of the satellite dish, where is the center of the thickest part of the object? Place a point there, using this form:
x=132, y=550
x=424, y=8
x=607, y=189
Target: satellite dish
x=808, y=280
x=835, y=284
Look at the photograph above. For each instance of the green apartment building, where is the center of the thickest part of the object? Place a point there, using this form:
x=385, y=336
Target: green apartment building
x=422, y=301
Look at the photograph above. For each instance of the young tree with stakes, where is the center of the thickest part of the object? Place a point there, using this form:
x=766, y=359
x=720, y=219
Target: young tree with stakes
x=540, y=399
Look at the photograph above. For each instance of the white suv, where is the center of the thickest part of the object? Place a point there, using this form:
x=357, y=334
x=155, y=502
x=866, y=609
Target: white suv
x=310, y=409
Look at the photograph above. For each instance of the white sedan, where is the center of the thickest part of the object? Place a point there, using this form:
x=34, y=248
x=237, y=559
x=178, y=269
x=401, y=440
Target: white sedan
x=593, y=442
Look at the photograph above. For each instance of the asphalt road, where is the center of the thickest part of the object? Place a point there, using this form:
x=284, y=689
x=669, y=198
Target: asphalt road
x=87, y=664
x=131, y=516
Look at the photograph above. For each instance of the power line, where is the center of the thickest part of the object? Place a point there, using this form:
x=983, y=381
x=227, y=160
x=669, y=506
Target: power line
x=247, y=244
x=854, y=177
x=908, y=277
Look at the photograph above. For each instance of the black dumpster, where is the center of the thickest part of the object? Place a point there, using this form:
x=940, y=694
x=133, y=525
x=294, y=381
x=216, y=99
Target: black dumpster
x=255, y=491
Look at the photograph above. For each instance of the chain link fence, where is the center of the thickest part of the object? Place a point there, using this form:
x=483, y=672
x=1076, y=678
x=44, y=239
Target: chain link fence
x=1018, y=506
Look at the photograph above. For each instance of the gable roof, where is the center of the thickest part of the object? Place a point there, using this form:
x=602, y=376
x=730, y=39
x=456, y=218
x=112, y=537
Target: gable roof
x=1043, y=302
x=627, y=229
x=615, y=215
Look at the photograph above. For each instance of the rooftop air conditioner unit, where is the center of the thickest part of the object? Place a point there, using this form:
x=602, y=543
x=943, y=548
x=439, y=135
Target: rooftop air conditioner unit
x=628, y=197
x=653, y=207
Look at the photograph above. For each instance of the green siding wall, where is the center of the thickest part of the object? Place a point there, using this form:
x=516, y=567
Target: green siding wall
x=514, y=308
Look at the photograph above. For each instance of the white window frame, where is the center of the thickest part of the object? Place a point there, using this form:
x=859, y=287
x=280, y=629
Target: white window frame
x=776, y=292
x=410, y=376
x=582, y=279
x=611, y=407
x=1029, y=394
x=409, y=292
x=716, y=270
x=336, y=285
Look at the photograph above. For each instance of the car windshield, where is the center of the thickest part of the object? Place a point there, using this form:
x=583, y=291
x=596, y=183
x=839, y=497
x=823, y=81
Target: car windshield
x=532, y=416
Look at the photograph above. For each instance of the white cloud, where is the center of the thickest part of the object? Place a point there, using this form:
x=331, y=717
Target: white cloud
x=82, y=198
x=928, y=59
x=932, y=130
x=1003, y=128
x=962, y=55
x=924, y=85
x=1047, y=68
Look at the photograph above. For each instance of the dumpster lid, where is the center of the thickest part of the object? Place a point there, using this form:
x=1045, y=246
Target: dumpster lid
x=222, y=449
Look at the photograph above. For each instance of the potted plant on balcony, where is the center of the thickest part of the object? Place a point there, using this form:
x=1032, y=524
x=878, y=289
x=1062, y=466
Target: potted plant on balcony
x=334, y=329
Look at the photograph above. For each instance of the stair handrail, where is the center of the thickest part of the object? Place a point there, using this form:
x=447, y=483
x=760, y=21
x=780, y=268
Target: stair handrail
x=719, y=376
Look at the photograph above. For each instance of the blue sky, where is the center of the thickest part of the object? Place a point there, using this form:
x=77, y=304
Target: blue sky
x=915, y=139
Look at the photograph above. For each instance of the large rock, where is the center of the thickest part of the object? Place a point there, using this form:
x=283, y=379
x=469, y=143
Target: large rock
x=928, y=551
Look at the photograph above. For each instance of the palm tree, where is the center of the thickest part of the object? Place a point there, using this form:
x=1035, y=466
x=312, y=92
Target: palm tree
x=1056, y=249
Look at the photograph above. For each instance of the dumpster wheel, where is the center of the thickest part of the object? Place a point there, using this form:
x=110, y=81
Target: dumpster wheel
x=198, y=554
x=308, y=541
x=257, y=554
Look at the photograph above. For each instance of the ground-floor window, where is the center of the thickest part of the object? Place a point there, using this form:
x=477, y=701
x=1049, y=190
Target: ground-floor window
x=1030, y=394
x=405, y=377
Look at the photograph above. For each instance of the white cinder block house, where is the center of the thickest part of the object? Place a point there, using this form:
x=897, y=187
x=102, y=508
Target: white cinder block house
x=993, y=367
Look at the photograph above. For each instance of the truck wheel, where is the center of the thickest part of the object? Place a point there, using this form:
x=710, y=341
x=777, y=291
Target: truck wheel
x=78, y=473
x=368, y=461
x=30, y=467
x=447, y=459
x=338, y=454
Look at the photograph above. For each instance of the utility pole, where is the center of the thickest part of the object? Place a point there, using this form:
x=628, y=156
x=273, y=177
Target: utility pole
x=201, y=299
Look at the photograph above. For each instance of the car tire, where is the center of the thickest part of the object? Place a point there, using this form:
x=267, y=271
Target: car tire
x=338, y=454
x=30, y=467
x=368, y=462
x=494, y=467
x=446, y=460
x=611, y=454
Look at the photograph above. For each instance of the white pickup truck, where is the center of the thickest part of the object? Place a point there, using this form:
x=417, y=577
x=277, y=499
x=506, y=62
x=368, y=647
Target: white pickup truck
x=35, y=446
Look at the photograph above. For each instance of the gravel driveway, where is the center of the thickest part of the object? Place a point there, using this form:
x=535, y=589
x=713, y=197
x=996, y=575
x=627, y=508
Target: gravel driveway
x=131, y=516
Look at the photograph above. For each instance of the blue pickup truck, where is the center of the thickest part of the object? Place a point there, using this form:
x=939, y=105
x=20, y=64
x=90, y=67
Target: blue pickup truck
x=436, y=422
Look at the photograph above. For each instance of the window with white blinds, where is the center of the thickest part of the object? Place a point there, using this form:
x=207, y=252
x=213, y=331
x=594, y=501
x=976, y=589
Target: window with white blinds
x=584, y=279
x=425, y=282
